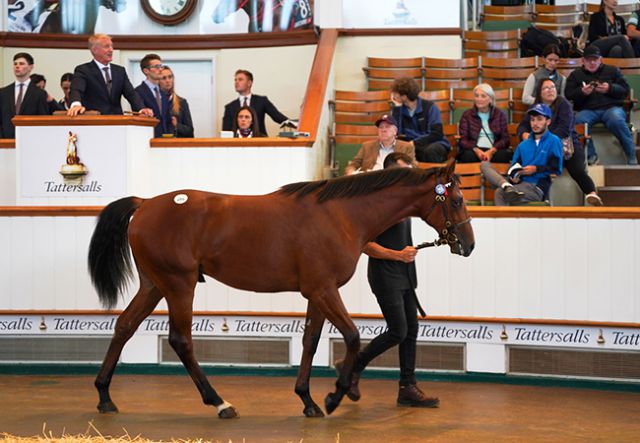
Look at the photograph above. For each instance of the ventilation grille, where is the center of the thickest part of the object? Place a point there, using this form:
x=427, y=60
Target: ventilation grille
x=579, y=363
x=53, y=349
x=232, y=351
x=429, y=356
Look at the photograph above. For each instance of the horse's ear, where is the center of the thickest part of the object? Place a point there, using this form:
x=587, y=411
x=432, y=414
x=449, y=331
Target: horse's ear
x=450, y=167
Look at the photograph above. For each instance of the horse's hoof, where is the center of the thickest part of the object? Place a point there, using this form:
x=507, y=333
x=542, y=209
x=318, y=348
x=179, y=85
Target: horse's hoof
x=107, y=408
x=313, y=412
x=331, y=402
x=229, y=412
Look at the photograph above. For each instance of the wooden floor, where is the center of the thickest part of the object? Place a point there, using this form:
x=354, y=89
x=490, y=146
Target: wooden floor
x=168, y=407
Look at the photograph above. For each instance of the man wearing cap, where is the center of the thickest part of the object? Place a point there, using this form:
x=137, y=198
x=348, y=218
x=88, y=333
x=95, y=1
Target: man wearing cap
x=419, y=121
x=535, y=159
x=371, y=155
x=598, y=91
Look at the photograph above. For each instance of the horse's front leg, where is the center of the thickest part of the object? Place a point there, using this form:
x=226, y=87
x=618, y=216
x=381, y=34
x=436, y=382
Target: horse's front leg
x=310, y=339
x=331, y=306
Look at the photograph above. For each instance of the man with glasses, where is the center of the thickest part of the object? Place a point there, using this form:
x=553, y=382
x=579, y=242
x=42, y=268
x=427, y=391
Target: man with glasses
x=99, y=84
x=598, y=91
x=152, y=96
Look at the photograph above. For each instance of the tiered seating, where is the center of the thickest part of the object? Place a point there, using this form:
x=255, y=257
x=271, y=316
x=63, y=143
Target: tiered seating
x=381, y=72
x=354, y=115
x=497, y=18
x=559, y=19
x=517, y=109
x=506, y=72
x=491, y=43
x=441, y=99
x=355, y=107
x=443, y=73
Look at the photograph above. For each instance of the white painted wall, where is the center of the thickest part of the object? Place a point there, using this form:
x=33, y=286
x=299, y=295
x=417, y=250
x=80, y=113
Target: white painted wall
x=573, y=269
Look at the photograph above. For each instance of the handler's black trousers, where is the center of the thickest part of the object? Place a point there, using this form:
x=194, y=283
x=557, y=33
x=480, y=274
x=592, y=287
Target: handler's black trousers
x=400, y=312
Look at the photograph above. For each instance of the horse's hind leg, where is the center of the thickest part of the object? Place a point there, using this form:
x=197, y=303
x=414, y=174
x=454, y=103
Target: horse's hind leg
x=312, y=331
x=140, y=307
x=180, y=319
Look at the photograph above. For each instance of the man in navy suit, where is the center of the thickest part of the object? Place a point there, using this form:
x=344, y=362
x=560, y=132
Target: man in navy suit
x=99, y=85
x=243, y=81
x=21, y=97
x=152, y=96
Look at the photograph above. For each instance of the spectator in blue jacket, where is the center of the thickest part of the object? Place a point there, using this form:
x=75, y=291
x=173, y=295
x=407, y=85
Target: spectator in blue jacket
x=533, y=163
x=419, y=121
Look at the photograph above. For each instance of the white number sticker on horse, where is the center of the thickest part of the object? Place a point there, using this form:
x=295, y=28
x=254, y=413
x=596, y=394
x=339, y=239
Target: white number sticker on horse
x=440, y=189
x=180, y=199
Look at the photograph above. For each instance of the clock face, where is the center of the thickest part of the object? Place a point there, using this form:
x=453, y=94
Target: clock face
x=168, y=12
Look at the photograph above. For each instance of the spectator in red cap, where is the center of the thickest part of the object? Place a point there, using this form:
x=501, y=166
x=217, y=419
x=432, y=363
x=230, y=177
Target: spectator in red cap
x=371, y=155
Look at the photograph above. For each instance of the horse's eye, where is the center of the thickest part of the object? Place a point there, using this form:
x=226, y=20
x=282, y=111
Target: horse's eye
x=456, y=203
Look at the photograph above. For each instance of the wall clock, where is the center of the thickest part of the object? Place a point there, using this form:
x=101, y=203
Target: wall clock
x=168, y=12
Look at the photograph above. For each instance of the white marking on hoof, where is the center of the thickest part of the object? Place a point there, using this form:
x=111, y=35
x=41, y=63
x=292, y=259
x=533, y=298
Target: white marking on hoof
x=224, y=406
x=181, y=199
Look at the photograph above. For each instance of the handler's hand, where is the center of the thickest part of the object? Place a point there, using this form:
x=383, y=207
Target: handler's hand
x=529, y=170
x=408, y=254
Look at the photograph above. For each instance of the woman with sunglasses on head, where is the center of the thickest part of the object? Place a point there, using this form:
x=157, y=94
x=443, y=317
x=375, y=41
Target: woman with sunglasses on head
x=563, y=125
x=180, y=113
x=550, y=57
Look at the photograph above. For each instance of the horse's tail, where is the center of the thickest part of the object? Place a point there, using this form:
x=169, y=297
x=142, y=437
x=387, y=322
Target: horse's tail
x=109, y=258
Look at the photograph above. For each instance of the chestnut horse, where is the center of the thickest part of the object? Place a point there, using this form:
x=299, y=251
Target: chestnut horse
x=304, y=237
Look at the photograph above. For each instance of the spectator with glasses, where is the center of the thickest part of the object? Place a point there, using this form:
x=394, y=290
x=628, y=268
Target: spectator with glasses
x=151, y=95
x=551, y=57
x=563, y=125
x=180, y=113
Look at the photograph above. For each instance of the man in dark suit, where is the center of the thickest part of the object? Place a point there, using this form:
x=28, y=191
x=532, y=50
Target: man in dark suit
x=21, y=97
x=152, y=96
x=99, y=85
x=243, y=81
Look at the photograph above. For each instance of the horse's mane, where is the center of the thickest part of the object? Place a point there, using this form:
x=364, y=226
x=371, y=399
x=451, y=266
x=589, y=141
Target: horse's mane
x=359, y=184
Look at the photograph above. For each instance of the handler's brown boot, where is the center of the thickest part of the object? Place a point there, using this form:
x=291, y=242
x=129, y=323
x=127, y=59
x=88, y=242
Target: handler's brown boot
x=354, y=391
x=411, y=395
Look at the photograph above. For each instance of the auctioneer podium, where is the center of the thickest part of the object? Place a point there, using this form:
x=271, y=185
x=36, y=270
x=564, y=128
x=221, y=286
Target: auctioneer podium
x=83, y=160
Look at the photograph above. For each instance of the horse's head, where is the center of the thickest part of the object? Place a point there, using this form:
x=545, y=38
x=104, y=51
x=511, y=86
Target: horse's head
x=447, y=212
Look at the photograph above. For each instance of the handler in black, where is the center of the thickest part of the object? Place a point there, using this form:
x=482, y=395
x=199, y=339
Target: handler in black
x=392, y=277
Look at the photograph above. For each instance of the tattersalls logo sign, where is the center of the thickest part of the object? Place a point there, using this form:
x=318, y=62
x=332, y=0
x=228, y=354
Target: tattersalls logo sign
x=73, y=172
x=400, y=16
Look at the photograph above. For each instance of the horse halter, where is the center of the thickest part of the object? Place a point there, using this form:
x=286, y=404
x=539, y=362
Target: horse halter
x=449, y=234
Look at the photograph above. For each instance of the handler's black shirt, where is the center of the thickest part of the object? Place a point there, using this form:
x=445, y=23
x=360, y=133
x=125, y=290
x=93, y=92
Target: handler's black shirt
x=386, y=275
